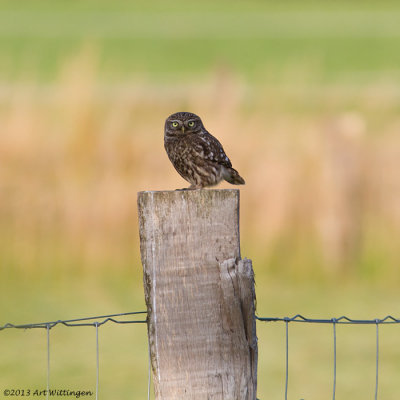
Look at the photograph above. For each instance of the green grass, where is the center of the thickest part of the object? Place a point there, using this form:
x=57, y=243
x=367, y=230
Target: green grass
x=123, y=348
x=182, y=41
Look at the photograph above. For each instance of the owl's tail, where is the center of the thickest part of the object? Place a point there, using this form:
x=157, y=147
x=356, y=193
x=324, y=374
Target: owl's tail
x=232, y=176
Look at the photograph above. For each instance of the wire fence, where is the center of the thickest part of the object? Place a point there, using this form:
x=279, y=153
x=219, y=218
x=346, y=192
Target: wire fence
x=98, y=321
x=79, y=322
x=333, y=321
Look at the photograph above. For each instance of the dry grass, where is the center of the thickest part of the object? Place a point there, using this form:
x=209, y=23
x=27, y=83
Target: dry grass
x=321, y=163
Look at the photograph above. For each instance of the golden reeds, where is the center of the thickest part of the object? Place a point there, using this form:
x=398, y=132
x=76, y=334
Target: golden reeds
x=322, y=166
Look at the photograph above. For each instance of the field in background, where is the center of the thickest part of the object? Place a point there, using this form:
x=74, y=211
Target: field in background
x=306, y=102
x=183, y=40
x=321, y=165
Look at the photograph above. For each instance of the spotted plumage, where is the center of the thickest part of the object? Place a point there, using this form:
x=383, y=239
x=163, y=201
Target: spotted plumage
x=197, y=155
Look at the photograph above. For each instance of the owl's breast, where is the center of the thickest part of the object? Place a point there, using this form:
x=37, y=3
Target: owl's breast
x=188, y=157
x=175, y=148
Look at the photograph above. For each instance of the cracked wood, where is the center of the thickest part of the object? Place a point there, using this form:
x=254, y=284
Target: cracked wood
x=199, y=295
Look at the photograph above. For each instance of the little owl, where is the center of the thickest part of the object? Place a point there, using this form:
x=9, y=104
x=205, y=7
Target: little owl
x=196, y=154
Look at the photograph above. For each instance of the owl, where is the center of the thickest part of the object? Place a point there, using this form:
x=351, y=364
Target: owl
x=197, y=155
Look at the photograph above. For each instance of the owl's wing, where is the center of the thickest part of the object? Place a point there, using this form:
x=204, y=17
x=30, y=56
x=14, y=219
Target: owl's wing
x=211, y=149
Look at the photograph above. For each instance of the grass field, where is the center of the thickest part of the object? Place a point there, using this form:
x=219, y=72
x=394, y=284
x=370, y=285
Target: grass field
x=306, y=100
x=123, y=348
x=183, y=41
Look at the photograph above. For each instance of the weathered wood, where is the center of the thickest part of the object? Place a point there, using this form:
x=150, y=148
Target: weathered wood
x=199, y=294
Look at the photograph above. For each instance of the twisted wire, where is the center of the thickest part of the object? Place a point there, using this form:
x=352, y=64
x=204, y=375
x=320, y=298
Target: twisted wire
x=77, y=322
x=341, y=320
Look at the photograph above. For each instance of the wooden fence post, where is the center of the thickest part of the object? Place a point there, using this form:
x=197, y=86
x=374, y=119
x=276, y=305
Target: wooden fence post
x=200, y=296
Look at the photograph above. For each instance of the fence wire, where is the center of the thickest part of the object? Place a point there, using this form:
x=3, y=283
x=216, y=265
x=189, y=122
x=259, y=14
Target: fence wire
x=334, y=321
x=78, y=322
x=88, y=321
x=114, y=318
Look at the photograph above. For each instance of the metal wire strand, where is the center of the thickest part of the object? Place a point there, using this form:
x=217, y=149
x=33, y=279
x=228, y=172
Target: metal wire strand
x=341, y=320
x=334, y=361
x=97, y=360
x=109, y=318
x=77, y=321
x=377, y=360
x=48, y=361
x=287, y=359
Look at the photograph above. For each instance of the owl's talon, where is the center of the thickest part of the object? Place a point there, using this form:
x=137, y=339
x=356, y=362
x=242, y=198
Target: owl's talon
x=189, y=188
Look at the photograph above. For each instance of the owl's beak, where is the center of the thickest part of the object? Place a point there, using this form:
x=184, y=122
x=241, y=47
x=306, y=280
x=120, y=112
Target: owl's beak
x=183, y=129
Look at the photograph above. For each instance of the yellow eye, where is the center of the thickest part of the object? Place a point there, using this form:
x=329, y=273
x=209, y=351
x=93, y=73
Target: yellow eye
x=175, y=124
x=191, y=123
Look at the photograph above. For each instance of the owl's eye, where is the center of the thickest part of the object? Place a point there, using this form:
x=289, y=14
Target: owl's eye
x=175, y=124
x=191, y=124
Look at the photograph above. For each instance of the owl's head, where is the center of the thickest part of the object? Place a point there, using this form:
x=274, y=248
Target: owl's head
x=182, y=123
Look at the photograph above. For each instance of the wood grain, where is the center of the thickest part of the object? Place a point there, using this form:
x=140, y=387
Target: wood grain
x=199, y=295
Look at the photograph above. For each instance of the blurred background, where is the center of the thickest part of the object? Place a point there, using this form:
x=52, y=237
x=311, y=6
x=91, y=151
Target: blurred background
x=305, y=98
